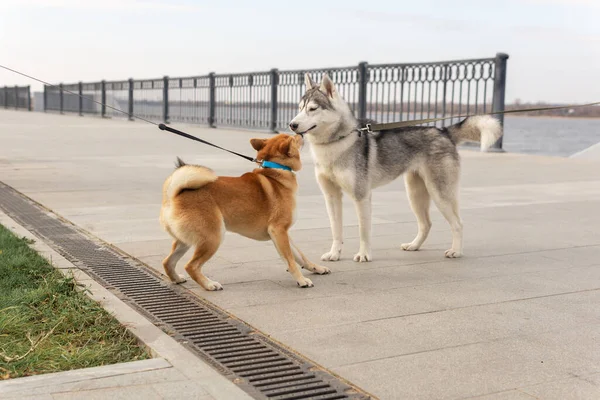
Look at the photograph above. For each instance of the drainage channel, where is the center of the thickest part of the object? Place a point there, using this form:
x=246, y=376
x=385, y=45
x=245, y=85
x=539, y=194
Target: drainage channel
x=251, y=360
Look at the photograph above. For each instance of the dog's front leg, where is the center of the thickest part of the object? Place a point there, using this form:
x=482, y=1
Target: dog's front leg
x=333, y=200
x=306, y=263
x=280, y=238
x=363, y=209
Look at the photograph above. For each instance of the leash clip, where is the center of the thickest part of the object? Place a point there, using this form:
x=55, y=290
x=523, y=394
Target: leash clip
x=366, y=129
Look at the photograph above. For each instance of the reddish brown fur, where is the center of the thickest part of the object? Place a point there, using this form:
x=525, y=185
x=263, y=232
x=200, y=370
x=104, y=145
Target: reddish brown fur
x=198, y=207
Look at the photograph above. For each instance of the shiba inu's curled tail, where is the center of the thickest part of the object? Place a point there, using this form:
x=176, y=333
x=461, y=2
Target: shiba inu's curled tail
x=187, y=177
x=483, y=129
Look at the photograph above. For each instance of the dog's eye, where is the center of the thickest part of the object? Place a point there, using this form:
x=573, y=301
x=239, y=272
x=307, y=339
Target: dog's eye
x=313, y=108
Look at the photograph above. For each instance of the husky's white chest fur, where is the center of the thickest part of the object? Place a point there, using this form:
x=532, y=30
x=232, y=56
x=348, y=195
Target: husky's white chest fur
x=327, y=163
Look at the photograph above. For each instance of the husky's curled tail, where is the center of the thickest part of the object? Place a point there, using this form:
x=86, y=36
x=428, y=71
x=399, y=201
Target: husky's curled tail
x=483, y=129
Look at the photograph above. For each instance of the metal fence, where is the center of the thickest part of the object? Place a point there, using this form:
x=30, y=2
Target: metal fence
x=269, y=100
x=17, y=97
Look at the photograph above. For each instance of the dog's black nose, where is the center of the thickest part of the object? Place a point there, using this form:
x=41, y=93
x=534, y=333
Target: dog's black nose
x=293, y=126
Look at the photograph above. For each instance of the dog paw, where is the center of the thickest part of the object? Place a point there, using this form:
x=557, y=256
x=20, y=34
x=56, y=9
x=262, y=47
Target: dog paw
x=213, y=286
x=321, y=270
x=453, y=253
x=362, y=257
x=409, y=247
x=331, y=256
x=179, y=279
x=305, y=283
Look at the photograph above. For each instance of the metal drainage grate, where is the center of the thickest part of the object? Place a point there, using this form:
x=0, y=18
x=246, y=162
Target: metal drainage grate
x=254, y=362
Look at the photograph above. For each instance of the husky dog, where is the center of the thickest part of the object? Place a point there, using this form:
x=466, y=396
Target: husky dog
x=354, y=162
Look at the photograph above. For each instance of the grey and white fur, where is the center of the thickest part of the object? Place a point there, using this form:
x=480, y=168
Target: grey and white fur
x=347, y=161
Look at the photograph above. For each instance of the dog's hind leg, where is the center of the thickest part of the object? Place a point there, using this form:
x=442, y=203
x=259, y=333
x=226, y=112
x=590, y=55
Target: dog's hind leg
x=169, y=263
x=419, y=199
x=280, y=238
x=203, y=252
x=443, y=188
x=333, y=201
x=306, y=263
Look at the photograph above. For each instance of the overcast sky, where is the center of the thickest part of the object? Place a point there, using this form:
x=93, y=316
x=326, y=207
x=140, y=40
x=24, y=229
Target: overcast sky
x=554, y=45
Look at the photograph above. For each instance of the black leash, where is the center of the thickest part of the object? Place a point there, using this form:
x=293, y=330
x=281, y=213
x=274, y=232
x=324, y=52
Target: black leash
x=393, y=125
x=162, y=127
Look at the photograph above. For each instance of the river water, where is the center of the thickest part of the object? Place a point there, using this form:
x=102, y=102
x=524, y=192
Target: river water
x=550, y=136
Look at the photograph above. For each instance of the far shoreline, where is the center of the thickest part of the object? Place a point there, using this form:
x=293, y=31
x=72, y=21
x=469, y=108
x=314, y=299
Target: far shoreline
x=550, y=116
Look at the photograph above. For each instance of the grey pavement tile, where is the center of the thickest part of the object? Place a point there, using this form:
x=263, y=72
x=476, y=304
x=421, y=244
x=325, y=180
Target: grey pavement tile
x=34, y=397
x=291, y=313
x=502, y=265
x=507, y=395
x=582, y=342
x=460, y=372
x=115, y=381
x=262, y=292
x=402, y=301
x=511, y=287
x=181, y=390
x=390, y=337
x=585, y=387
x=143, y=378
x=46, y=382
x=586, y=255
x=125, y=393
x=584, y=304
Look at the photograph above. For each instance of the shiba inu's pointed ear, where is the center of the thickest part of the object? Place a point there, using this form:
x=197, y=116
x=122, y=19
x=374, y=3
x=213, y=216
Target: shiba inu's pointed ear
x=258, y=144
x=293, y=149
x=309, y=82
x=327, y=86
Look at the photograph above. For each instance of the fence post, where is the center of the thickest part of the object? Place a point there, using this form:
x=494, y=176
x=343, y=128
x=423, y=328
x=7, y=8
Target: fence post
x=103, y=98
x=130, y=100
x=274, y=85
x=166, y=99
x=211, y=100
x=61, y=98
x=499, y=93
x=446, y=70
x=45, y=98
x=5, y=96
x=16, y=97
x=29, y=98
x=363, y=78
x=80, y=87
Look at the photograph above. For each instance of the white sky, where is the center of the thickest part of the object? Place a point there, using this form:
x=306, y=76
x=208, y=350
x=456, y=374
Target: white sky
x=554, y=45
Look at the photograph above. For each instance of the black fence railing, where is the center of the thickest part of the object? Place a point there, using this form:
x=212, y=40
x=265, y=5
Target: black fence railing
x=269, y=100
x=15, y=97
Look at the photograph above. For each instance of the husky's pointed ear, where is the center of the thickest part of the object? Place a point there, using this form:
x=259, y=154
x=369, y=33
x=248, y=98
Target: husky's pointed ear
x=309, y=82
x=327, y=86
x=258, y=144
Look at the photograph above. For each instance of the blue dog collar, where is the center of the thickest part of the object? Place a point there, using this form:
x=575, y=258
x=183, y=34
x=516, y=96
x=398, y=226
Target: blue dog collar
x=270, y=164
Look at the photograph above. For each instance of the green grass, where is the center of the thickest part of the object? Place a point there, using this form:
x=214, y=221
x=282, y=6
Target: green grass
x=46, y=324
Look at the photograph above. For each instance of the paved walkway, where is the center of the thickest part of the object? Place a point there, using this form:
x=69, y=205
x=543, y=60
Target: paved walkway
x=517, y=318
